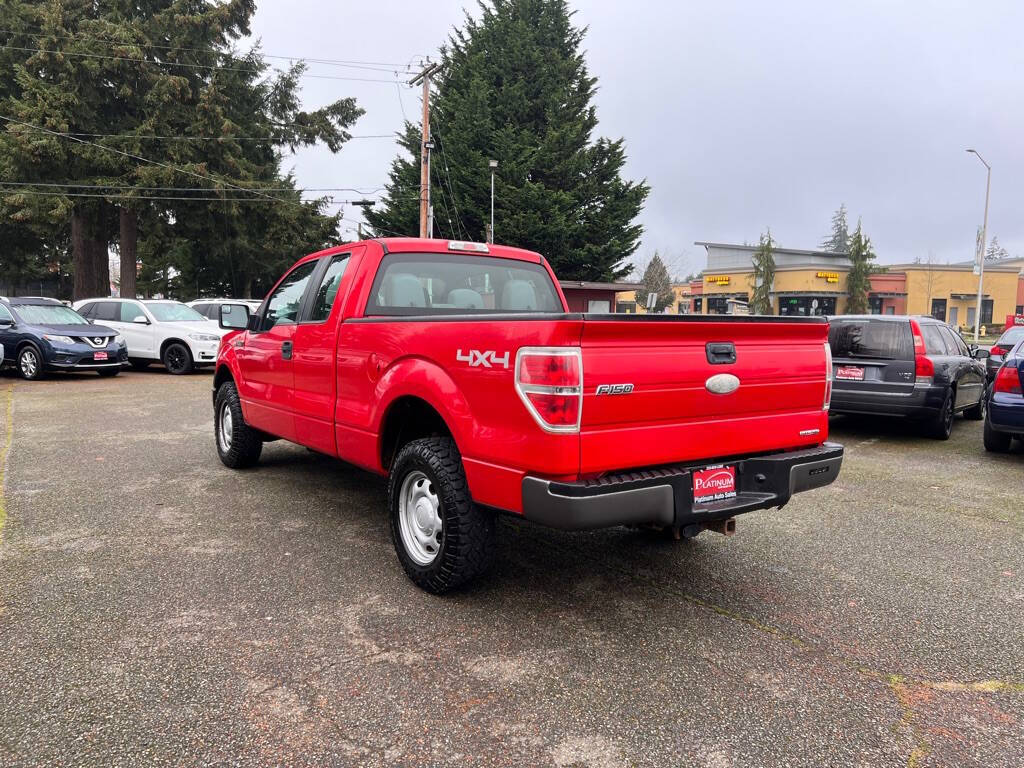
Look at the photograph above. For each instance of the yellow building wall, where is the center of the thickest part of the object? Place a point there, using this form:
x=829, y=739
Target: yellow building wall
x=923, y=285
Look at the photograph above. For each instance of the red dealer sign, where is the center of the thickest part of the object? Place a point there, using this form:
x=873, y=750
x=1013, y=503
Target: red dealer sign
x=1012, y=320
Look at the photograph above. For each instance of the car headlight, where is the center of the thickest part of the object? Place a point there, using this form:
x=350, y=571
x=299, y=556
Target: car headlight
x=119, y=340
x=203, y=337
x=54, y=339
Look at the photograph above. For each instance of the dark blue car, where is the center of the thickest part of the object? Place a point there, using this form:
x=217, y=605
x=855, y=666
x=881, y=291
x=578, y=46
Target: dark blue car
x=40, y=335
x=1004, y=417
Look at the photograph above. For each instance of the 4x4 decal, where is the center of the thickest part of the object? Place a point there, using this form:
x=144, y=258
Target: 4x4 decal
x=487, y=358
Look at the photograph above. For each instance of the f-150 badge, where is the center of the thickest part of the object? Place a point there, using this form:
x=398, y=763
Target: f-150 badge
x=482, y=358
x=614, y=389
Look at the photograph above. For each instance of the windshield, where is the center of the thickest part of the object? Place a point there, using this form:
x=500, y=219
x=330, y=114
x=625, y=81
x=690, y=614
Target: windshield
x=438, y=284
x=166, y=312
x=49, y=314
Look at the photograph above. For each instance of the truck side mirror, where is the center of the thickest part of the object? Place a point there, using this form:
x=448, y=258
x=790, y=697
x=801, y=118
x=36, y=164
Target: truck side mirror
x=234, y=317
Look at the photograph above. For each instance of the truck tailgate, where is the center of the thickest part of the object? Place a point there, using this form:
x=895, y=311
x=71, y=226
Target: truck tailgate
x=647, y=398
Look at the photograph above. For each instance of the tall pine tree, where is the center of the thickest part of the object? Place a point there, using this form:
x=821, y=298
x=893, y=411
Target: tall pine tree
x=838, y=241
x=164, y=68
x=657, y=281
x=858, y=280
x=763, y=276
x=515, y=88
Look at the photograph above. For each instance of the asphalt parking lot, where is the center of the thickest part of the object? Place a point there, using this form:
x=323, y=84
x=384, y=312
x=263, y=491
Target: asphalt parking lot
x=159, y=609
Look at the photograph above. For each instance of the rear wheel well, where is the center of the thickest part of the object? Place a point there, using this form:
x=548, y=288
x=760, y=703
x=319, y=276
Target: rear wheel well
x=409, y=418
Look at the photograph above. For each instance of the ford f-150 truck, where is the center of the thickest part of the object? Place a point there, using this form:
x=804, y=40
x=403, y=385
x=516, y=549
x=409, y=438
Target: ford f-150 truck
x=456, y=370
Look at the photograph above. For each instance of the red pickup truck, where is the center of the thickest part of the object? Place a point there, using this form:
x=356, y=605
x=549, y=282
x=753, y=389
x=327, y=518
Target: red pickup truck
x=456, y=370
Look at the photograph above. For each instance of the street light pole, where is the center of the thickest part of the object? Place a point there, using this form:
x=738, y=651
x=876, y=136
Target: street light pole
x=494, y=165
x=984, y=244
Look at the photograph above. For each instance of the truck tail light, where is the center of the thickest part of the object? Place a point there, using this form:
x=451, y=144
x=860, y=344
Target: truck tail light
x=924, y=368
x=828, y=377
x=549, y=381
x=1008, y=381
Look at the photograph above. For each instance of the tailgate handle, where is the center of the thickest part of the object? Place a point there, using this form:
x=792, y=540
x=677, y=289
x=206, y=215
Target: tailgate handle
x=721, y=352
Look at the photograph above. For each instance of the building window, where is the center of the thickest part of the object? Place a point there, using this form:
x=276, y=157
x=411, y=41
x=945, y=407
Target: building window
x=875, y=305
x=806, y=306
x=698, y=305
x=717, y=305
x=986, y=311
x=626, y=307
x=939, y=309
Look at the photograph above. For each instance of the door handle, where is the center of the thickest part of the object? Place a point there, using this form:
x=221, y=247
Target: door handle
x=286, y=350
x=720, y=353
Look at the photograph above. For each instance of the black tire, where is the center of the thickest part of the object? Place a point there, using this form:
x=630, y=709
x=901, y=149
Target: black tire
x=30, y=363
x=244, y=446
x=465, y=543
x=177, y=359
x=941, y=425
x=108, y=373
x=977, y=413
x=995, y=442
x=140, y=365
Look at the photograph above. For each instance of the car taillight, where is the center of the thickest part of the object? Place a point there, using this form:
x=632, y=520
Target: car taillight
x=828, y=377
x=995, y=352
x=549, y=381
x=924, y=368
x=1008, y=381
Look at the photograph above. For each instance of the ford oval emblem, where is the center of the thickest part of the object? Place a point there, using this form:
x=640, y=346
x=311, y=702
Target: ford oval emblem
x=722, y=384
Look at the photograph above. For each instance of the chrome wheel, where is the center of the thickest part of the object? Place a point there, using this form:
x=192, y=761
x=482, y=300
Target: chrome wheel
x=224, y=433
x=419, y=518
x=29, y=363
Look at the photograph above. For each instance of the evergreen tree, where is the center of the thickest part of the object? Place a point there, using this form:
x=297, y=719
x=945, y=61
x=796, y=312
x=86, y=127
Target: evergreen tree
x=515, y=87
x=656, y=281
x=763, y=276
x=157, y=68
x=858, y=280
x=838, y=241
x=995, y=251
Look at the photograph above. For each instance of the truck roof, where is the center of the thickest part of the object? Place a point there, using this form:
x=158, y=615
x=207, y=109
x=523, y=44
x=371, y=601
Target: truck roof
x=435, y=245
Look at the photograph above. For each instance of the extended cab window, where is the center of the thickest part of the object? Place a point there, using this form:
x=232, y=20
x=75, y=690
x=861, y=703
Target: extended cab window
x=326, y=294
x=439, y=284
x=286, y=300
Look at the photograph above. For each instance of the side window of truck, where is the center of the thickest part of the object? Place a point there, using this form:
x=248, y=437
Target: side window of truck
x=285, y=302
x=327, y=293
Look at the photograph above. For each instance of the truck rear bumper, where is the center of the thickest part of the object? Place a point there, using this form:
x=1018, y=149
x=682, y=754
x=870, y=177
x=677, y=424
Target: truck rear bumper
x=664, y=496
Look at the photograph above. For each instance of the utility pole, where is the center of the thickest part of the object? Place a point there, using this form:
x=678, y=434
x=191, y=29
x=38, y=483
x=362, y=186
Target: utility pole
x=984, y=245
x=424, y=78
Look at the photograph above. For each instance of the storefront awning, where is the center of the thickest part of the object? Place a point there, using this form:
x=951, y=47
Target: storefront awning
x=887, y=294
x=966, y=296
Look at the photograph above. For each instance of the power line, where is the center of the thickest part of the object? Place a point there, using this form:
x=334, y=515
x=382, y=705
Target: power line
x=78, y=185
x=386, y=65
x=124, y=196
x=150, y=137
x=196, y=66
x=451, y=191
x=168, y=166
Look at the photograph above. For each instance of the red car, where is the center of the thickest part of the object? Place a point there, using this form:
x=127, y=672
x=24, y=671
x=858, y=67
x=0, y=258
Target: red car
x=456, y=370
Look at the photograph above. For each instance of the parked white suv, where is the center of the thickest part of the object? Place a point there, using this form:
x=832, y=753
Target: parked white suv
x=210, y=308
x=158, y=330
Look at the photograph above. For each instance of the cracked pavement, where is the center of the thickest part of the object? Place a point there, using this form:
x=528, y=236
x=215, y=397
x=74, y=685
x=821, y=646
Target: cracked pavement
x=157, y=609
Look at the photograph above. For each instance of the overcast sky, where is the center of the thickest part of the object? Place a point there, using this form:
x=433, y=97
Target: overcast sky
x=740, y=115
